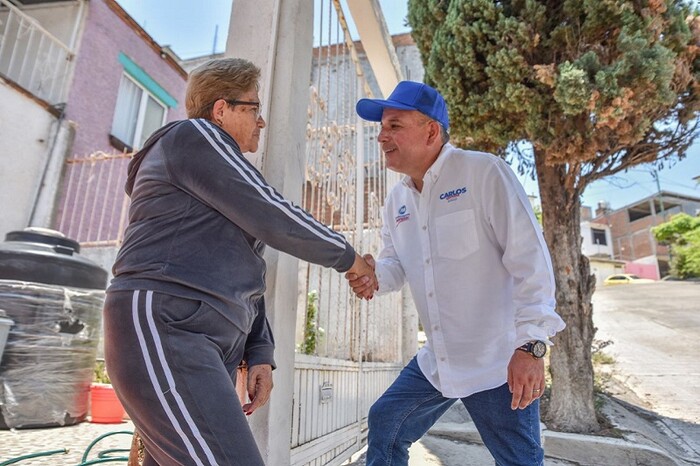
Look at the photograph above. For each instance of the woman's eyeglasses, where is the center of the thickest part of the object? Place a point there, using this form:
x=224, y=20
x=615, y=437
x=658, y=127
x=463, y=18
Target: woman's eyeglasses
x=256, y=105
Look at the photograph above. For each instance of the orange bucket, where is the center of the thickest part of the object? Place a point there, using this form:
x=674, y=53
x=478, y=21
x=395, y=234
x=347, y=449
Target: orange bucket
x=105, y=407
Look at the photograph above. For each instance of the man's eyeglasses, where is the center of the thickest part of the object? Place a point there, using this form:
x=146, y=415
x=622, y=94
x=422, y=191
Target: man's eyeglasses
x=256, y=105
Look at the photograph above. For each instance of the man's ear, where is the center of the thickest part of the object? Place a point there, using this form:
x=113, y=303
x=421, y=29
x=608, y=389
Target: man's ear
x=433, y=132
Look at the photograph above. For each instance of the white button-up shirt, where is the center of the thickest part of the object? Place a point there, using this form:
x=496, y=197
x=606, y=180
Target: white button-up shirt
x=477, y=265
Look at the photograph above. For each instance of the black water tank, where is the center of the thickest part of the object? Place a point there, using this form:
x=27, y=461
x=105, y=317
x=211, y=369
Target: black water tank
x=54, y=296
x=47, y=256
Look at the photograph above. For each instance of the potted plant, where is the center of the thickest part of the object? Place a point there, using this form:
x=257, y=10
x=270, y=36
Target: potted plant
x=105, y=407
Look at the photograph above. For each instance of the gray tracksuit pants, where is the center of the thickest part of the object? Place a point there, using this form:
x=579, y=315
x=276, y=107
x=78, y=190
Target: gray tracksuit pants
x=173, y=363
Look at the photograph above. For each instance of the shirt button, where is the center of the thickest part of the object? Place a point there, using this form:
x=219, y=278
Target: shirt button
x=425, y=227
x=437, y=327
x=427, y=261
x=442, y=359
x=430, y=294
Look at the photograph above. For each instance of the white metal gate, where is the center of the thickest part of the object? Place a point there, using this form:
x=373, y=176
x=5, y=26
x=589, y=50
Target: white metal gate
x=348, y=350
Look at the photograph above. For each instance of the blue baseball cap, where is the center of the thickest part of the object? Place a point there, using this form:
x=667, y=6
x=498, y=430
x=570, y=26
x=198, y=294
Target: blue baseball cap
x=408, y=95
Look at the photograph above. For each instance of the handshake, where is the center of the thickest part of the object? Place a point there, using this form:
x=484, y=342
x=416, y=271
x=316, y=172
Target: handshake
x=362, y=278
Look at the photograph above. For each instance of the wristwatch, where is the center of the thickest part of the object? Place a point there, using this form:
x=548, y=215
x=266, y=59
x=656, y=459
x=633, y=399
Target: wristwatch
x=536, y=348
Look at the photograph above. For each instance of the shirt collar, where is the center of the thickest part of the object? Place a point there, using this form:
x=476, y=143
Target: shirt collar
x=435, y=169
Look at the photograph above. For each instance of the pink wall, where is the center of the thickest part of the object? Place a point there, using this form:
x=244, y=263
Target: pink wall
x=93, y=94
x=643, y=270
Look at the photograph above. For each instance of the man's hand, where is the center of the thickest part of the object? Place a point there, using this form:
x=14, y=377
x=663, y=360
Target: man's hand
x=362, y=278
x=525, y=379
x=259, y=387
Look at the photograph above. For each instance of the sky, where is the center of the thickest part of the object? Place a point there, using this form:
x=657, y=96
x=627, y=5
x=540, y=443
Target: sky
x=199, y=27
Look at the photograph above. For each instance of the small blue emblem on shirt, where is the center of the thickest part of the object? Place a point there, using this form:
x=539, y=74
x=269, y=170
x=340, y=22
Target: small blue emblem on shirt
x=452, y=195
x=403, y=216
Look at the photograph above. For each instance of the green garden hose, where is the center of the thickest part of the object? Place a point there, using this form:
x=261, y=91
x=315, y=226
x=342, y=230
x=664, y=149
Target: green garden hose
x=102, y=457
x=33, y=455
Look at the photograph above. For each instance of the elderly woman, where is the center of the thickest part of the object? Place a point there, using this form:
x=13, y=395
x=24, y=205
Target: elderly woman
x=186, y=302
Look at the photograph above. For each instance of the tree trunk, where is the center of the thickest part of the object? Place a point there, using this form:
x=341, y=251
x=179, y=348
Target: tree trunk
x=571, y=407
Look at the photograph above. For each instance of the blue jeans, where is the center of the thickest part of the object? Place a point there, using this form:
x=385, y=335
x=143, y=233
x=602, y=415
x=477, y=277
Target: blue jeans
x=411, y=405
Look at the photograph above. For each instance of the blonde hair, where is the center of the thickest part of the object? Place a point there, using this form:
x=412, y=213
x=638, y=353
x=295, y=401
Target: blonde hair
x=224, y=78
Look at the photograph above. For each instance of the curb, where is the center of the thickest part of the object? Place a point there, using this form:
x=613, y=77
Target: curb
x=584, y=450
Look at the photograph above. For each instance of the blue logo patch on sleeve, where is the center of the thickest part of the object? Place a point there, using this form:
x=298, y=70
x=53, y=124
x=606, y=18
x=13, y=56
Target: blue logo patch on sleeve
x=403, y=216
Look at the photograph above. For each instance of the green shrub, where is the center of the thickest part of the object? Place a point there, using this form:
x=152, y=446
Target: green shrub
x=312, y=332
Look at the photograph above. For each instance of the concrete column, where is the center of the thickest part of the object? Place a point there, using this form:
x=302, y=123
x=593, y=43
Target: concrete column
x=60, y=142
x=409, y=330
x=377, y=43
x=277, y=35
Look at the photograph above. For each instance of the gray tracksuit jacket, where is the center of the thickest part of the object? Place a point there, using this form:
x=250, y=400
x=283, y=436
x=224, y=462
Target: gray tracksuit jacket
x=199, y=220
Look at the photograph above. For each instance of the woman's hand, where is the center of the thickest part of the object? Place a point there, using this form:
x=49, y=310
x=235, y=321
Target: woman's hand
x=259, y=387
x=362, y=278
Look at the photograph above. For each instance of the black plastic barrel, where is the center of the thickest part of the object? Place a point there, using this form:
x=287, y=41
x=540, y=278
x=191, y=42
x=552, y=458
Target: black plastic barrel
x=46, y=256
x=54, y=297
x=5, y=325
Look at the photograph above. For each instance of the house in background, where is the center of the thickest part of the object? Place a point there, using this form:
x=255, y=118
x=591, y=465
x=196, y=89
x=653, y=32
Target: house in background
x=596, y=244
x=630, y=231
x=37, y=58
x=81, y=83
x=125, y=87
x=125, y=84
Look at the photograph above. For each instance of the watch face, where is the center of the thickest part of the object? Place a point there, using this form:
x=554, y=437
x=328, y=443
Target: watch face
x=539, y=349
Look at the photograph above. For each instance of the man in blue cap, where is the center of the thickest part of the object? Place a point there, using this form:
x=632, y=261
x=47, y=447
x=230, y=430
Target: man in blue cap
x=460, y=230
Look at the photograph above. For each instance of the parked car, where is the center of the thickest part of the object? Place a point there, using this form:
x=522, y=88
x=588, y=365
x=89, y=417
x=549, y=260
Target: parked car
x=671, y=278
x=622, y=278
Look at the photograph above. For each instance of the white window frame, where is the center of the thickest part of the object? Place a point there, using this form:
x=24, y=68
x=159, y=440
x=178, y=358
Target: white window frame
x=141, y=115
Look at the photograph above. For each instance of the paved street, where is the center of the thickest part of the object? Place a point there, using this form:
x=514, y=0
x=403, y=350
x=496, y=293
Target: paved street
x=655, y=330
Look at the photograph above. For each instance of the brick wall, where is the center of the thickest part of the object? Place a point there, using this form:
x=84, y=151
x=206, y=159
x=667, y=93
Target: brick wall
x=632, y=240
